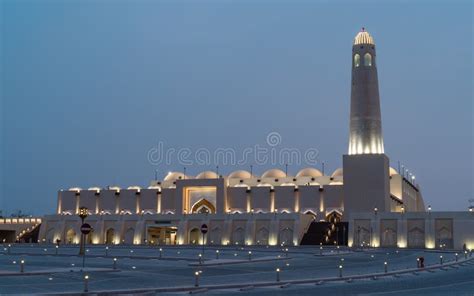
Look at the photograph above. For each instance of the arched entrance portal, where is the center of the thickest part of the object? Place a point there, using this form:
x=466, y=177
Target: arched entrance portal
x=109, y=236
x=203, y=206
x=194, y=236
x=70, y=236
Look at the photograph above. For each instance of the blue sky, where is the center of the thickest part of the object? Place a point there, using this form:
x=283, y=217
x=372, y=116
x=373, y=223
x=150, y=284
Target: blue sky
x=89, y=87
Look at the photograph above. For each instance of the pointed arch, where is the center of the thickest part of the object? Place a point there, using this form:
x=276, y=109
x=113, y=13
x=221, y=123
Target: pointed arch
x=356, y=60
x=367, y=60
x=203, y=206
x=262, y=236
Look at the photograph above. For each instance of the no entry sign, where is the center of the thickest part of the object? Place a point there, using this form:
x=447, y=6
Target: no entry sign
x=86, y=228
x=204, y=229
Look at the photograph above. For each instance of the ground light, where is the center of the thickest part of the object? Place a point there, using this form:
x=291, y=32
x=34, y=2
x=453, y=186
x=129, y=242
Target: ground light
x=86, y=283
x=196, y=279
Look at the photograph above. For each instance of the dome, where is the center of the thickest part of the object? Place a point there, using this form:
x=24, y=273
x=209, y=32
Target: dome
x=274, y=173
x=240, y=175
x=173, y=176
x=392, y=171
x=207, y=175
x=309, y=172
x=363, y=37
x=337, y=173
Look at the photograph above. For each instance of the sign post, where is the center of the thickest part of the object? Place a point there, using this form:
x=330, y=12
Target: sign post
x=85, y=230
x=204, y=230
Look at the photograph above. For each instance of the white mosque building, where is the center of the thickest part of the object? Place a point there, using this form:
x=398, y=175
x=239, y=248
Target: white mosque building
x=381, y=206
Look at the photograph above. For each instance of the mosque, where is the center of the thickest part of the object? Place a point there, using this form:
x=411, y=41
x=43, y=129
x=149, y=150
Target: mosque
x=365, y=202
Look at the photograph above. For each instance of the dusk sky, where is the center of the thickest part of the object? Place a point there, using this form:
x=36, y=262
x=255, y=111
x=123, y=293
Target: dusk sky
x=89, y=87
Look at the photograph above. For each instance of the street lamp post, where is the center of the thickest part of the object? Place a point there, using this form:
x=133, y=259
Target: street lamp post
x=83, y=213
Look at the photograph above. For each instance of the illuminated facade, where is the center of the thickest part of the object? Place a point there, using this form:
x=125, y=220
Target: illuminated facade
x=268, y=209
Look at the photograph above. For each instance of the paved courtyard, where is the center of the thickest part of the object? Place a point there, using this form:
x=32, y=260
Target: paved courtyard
x=303, y=271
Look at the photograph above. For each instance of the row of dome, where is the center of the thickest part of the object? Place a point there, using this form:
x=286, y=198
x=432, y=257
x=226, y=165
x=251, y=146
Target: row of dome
x=272, y=173
x=243, y=174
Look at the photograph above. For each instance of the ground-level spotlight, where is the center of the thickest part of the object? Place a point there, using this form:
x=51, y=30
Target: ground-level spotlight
x=86, y=283
x=278, y=274
x=340, y=271
x=196, y=279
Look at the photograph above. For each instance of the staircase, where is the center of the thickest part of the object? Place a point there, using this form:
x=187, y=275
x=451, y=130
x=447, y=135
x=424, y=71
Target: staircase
x=29, y=235
x=326, y=233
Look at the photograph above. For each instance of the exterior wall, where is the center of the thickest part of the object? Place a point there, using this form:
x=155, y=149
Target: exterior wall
x=366, y=183
x=224, y=229
x=447, y=230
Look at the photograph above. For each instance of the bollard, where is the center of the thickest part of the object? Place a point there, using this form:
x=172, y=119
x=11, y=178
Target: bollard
x=337, y=249
x=9, y=247
x=217, y=254
x=321, y=251
x=456, y=257
x=115, y=263
x=57, y=247
x=161, y=253
x=418, y=262
x=278, y=274
x=196, y=279
x=340, y=271
x=286, y=252
x=441, y=259
x=200, y=259
x=106, y=251
x=22, y=266
x=86, y=283
x=465, y=253
x=250, y=255
x=385, y=266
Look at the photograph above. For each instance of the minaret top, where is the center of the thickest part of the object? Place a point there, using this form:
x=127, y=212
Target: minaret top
x=363, y=37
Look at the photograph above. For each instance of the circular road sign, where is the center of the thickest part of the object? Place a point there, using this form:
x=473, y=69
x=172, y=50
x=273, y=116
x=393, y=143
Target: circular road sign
x=85, y=228
x=204, y=228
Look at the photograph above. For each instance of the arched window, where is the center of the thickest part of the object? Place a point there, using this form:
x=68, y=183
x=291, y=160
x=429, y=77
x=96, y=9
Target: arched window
x=356, y=60
x=367, y=60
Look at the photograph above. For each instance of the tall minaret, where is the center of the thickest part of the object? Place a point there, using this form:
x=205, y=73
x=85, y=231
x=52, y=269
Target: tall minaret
x=365, y=123
x=366, y=167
